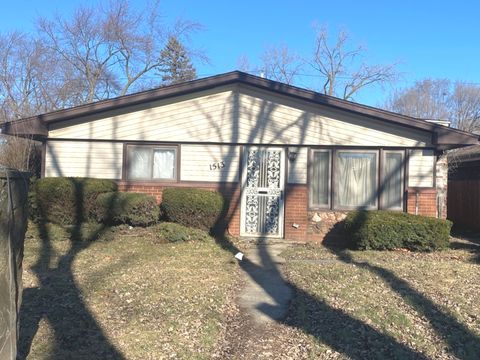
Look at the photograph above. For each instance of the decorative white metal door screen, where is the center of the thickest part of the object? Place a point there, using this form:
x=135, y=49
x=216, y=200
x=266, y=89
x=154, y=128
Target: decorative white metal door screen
x=262, y=203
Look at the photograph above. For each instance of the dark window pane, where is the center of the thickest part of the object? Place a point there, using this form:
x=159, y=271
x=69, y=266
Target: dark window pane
x=392, y=191
x=320, y=178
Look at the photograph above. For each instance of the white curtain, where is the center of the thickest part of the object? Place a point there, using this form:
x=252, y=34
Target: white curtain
x=356, y=179
x=164, y=164
x=139, y=163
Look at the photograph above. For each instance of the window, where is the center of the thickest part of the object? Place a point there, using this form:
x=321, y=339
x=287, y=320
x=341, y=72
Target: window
x=392, y=180
x=356, y=179
x=151, y=162
x=320, y=178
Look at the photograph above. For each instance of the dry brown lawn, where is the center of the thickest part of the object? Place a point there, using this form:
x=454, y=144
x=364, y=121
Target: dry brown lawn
x=123, y=296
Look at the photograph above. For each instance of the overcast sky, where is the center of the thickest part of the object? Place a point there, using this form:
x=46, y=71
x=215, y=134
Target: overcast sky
x=437, y=39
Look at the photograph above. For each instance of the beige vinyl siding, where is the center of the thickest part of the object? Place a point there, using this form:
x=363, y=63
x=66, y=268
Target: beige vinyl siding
x=206, y=118
x=84, y=159
x=239, y=114
x=197, y=159
x=297, y=169
x=421, y=168
x=267, y=118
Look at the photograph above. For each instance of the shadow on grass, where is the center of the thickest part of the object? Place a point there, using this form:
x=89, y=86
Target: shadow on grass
x=58, y=300
x=350, y=336
x=467, y=240
x=328, y=325
x=462, y=342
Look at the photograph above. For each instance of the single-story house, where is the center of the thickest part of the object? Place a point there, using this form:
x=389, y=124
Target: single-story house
x=464, y=188
x=291, y=161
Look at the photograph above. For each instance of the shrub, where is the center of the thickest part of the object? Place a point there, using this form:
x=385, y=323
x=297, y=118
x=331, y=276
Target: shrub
x=65, y=200
x=33, y=209
x=171, y=232
x=387, y=230
x=192, y=207
x=135, y=209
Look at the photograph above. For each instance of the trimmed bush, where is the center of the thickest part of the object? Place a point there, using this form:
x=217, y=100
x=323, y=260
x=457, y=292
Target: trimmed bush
x=135, y=209
x=192, y=207
x=67, y=200
x=388, y=230
x=171, y=232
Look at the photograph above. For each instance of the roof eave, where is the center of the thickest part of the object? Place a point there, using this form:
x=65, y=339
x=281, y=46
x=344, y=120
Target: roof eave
x=447, y=138
x=442, y=136
x=28, y=127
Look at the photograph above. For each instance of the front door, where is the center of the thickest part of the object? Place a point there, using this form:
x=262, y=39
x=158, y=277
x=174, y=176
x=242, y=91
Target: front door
x=263, y=178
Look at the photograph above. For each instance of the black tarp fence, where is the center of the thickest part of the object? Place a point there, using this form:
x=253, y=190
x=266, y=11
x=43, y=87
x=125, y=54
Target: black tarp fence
x=13, y=224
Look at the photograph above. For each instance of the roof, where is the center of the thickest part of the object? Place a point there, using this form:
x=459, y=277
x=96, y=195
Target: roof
x=443, y=137
x=469, y=153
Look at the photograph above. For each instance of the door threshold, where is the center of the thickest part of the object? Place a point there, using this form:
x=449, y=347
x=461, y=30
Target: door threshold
x=267, y=240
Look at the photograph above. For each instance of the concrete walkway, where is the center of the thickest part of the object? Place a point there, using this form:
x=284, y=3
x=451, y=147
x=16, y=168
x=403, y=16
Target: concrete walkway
x=266, y=295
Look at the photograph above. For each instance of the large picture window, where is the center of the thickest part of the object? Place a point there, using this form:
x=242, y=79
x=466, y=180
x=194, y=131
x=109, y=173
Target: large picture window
x=151, y=162
x=347, y=179
x=356, y=179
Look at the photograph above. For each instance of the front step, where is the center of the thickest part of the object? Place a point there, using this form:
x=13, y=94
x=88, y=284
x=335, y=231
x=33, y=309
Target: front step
x=269, y=241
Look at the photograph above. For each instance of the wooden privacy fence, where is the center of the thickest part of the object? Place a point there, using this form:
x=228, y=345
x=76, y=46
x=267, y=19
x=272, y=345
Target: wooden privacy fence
x=464, y=203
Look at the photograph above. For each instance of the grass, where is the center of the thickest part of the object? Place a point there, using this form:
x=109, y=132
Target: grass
x=126, y=291
x=374, y=304
x=132, y=294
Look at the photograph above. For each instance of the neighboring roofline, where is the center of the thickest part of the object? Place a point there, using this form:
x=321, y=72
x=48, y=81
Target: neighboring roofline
x=39, y=124
x=467, y=154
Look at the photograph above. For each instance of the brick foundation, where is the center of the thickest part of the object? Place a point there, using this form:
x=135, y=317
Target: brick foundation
x=422, y=202
x=230, y=191
x=300, y=223
x=296, y=216
x=325, y=224
x=304, y=225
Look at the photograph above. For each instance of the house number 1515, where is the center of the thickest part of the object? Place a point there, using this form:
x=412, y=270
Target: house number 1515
x=217, y=165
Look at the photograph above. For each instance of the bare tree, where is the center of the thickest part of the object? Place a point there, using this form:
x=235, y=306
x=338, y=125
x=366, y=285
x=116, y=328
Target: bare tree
x=281, y=64
x=16, y=152
x=442, y=100
x=426, y=99
x=27, y=77
x=465, y=107
x=99, y=52
x=110, y=49
x=243, y=63
x=344, y=71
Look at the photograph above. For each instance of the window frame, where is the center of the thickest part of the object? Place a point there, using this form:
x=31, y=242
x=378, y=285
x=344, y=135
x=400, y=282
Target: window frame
x=310, y=179
x=152, y=147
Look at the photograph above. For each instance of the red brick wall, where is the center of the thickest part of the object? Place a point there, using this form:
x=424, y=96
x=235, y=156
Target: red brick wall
x=296, y=202
x=230, y=191
x=425, y=200
x=296, y=207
